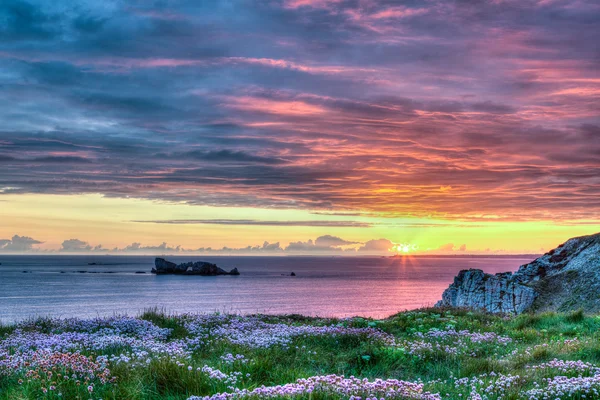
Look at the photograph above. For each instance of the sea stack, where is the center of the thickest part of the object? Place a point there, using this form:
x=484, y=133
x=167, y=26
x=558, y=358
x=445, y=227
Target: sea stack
x=566, y=278
x=203, y=268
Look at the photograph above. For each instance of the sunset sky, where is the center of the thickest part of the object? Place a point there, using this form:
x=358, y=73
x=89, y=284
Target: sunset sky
x=298, y=126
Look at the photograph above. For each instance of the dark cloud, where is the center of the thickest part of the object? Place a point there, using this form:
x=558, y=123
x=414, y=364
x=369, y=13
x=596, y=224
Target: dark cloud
x=230, y=156
x=25, y=21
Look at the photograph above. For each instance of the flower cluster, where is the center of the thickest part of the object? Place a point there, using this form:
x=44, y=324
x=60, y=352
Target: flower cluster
x=560, y=387
x=497, y=386
x=332, y=386
x=218, y=375
x=230, y=359
x=24, y=341
x=40, y=350
x=117, y=325
x=474, y=337
x=51, y=371
x=254, y=332
x=488, y=385
x=568, y=367
x=452, y=342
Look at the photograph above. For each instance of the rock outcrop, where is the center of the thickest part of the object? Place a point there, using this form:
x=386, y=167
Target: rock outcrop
x=563, y=279
x=164, y=267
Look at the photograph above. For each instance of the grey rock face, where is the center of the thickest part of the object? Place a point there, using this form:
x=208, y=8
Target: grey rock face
x=494, y=293
x=162, y=266
x=565, y=278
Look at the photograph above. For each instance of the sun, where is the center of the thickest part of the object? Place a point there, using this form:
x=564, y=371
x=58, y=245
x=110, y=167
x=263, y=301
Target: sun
x=403, y=248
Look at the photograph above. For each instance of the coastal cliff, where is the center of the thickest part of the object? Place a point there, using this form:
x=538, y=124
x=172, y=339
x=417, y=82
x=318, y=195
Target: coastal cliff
x=565, y=278
x=164, y=267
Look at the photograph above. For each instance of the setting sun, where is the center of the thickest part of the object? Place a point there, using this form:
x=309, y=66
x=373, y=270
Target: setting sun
x=404, y=248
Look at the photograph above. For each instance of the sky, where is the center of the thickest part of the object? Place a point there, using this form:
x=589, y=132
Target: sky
x=298, y=126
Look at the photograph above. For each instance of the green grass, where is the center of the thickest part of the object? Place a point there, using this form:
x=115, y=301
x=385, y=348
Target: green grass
x=536, y=338
x=163, y=319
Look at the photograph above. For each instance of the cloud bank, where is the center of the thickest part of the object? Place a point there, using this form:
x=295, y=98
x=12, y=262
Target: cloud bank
x=464, y=109
x=322, y=245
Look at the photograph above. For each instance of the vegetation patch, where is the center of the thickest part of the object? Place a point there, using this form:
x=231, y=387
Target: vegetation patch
x=426, y=354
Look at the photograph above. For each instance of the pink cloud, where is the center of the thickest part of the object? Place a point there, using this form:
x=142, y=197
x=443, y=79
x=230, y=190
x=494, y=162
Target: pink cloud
x=270, y=106
x=293, y=4
x=398, y=12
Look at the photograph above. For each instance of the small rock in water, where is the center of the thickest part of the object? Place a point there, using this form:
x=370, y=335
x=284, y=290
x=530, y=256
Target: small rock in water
x=292, y=274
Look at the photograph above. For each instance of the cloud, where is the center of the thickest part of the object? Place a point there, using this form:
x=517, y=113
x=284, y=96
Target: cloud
x=23, y=20
x=18, y=244
x=451, y=248
x=377, y=246
x=266, y=249
x=326, y=243
x=231, y=156
x=464, y=110
x=160, y=249
x=332, y=241
x=250, y=222
x=446, y=247
x=309, y=247
x=321, y=245
x=75, y=245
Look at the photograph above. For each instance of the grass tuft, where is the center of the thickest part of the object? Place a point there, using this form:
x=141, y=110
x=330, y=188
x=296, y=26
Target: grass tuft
x=575, y=316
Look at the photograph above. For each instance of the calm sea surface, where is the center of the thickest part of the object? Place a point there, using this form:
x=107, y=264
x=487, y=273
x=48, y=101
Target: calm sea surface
x=325, y=286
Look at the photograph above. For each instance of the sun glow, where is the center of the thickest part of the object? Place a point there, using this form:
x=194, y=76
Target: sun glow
x=404, y=248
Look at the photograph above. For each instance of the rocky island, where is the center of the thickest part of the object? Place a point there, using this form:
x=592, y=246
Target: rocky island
x=566, y=278
x=164, y=267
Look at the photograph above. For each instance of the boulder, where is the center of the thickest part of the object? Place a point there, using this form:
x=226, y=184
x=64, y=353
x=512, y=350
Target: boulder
x=162, y=266
x=563, y=279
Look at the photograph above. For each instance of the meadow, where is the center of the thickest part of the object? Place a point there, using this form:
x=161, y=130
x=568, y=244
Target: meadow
x=424, y=354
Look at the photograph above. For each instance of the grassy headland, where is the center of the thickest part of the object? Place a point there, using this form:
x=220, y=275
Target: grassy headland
x=426, y=354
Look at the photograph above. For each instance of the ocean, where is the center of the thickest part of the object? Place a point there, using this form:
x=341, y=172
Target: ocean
x=68, y=286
